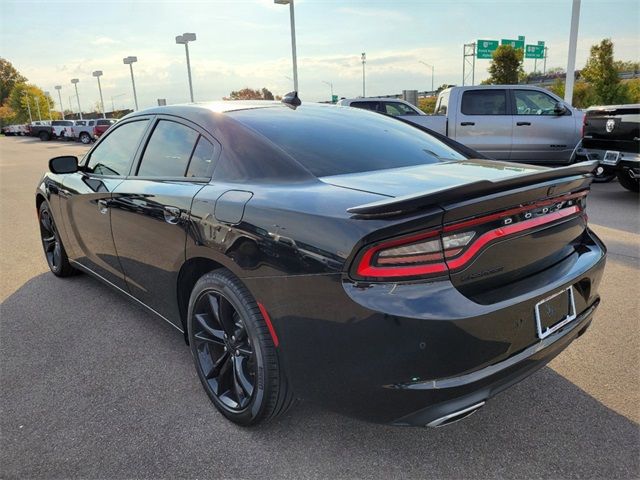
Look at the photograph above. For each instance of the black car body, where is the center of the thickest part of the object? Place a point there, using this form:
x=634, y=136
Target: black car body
x=611, y=135
x=351, y=232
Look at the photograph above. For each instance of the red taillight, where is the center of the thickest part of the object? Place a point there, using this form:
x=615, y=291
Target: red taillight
x=95, y=131
x=453, y=246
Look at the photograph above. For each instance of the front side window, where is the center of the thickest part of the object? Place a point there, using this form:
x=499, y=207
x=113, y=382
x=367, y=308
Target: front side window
x=113, y=155
x=168, y=151
x=396, y=109
x=530, y=102
x=484, y=102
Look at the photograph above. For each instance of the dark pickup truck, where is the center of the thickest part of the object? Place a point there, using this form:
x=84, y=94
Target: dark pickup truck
x=611, y=135
x=57, y=129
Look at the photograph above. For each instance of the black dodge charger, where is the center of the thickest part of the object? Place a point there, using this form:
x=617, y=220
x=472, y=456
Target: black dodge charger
x=330, y=254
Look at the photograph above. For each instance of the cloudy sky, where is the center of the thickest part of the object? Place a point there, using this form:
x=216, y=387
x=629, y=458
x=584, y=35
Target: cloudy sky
x=247, y=43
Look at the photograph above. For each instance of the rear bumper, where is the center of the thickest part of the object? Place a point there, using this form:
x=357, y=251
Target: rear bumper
x=410, y=353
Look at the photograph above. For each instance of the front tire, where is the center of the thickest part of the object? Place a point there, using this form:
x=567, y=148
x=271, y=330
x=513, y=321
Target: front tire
x=54, y=251
x=632, y=184
x=233, y=351
x=44, y=136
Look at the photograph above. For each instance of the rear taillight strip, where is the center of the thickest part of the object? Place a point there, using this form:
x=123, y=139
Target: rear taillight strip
x=492, y=235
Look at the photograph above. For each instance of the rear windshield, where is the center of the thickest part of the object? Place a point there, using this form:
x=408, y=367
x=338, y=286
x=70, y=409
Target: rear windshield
x=105, y=122
x=339, y=140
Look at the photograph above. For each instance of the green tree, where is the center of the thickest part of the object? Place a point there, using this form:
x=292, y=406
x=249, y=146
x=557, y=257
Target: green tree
x=583, y=95
x=601, y=73
x=506, y=66
x=427, y=104
x=250, y=94
x=633, y=90
x=9, y=76
x=23, y=97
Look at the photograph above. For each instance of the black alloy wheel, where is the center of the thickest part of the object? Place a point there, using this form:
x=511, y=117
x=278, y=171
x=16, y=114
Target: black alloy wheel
x=233, y=351
x=53, y=249
x=601, y=175
x=224, y=350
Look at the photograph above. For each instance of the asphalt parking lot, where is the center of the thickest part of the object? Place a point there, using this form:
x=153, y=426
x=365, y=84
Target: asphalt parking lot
x=93, y=386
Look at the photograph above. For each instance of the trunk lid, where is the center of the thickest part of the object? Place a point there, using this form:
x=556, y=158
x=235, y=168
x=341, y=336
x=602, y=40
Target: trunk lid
x=520, y=219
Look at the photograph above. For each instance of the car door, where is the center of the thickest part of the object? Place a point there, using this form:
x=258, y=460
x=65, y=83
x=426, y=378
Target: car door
x=484, y=122
x=540, y=135
x=150, y=210
x=85, y=197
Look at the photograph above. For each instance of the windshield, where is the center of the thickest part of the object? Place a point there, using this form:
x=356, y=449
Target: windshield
x=340, y=140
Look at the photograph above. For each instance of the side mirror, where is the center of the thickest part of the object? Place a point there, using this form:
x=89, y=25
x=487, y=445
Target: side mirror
x=66, y=164
x=559, y=108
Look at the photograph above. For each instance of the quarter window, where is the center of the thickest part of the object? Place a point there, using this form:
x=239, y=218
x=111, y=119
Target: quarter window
x=168, y=151
x=202, y=160
x=530, y=102
x=114, y=154
x=484, y=102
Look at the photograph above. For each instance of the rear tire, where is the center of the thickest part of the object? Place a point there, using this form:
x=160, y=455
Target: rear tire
x=85, y=138
x=44, y=136
x=631, y=184
x=233, y=351
x=54, y=251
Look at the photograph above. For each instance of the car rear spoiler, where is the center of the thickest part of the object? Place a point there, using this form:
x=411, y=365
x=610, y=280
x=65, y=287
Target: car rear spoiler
x=398, y=205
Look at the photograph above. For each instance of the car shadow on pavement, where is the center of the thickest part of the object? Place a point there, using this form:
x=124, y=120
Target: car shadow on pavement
x=95, y=386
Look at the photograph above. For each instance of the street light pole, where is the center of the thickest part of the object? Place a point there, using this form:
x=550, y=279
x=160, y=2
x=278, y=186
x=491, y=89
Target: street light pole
x=432, y=69
x=363, y=57
x=331, y=86
x=75, y=84
x=571, y=60
x=24, y=92
x=59, y=87
x=97, y=74
x=293, y=39
x=130, y=61
x=38, y=107
x=48, y=106
x=184, y=39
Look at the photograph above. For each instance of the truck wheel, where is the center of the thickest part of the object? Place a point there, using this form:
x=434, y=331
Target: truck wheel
x=85, y=138
x=632, y=184
x=601, y=175
x=44, y=136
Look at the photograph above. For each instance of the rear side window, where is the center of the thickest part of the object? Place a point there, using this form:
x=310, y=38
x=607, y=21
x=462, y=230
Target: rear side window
x=168, y=151
x=365, y=105
x=113, y=155
x=105, y=122
x=337, y=140
x=484, y=102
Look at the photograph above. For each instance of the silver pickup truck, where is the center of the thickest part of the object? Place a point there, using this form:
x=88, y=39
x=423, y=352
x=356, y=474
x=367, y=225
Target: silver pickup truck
x=519, y=123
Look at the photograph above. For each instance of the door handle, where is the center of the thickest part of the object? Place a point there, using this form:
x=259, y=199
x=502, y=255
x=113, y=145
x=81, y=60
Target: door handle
x=172, y=215
x=103, y=206
x=522, y=124
x=464, y=124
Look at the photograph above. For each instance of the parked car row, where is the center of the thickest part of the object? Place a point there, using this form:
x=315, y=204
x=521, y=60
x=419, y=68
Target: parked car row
x=84, y=131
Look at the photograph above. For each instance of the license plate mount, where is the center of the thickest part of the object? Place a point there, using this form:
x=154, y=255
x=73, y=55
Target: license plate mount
x=554, y=312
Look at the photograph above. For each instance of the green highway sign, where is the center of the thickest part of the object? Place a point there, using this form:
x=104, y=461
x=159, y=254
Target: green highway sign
x=514, y=43
x=534, y=51
x=334, y=98
x=485, y=48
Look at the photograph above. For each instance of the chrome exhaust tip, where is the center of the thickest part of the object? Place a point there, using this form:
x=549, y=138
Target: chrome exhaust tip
x=455, y=416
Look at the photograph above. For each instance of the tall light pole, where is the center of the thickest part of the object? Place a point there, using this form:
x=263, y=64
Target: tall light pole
x=571, y=60
x=46, y=94
x=97, y=74
x=293, y=40
x=75, y=84
x=24, y=92
x=130, y=61
x=330, y=86
x=184, y=39
x=113, y=108
x=38, y=107
x=430, y=66
x=363, y=57
x=59, y=87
